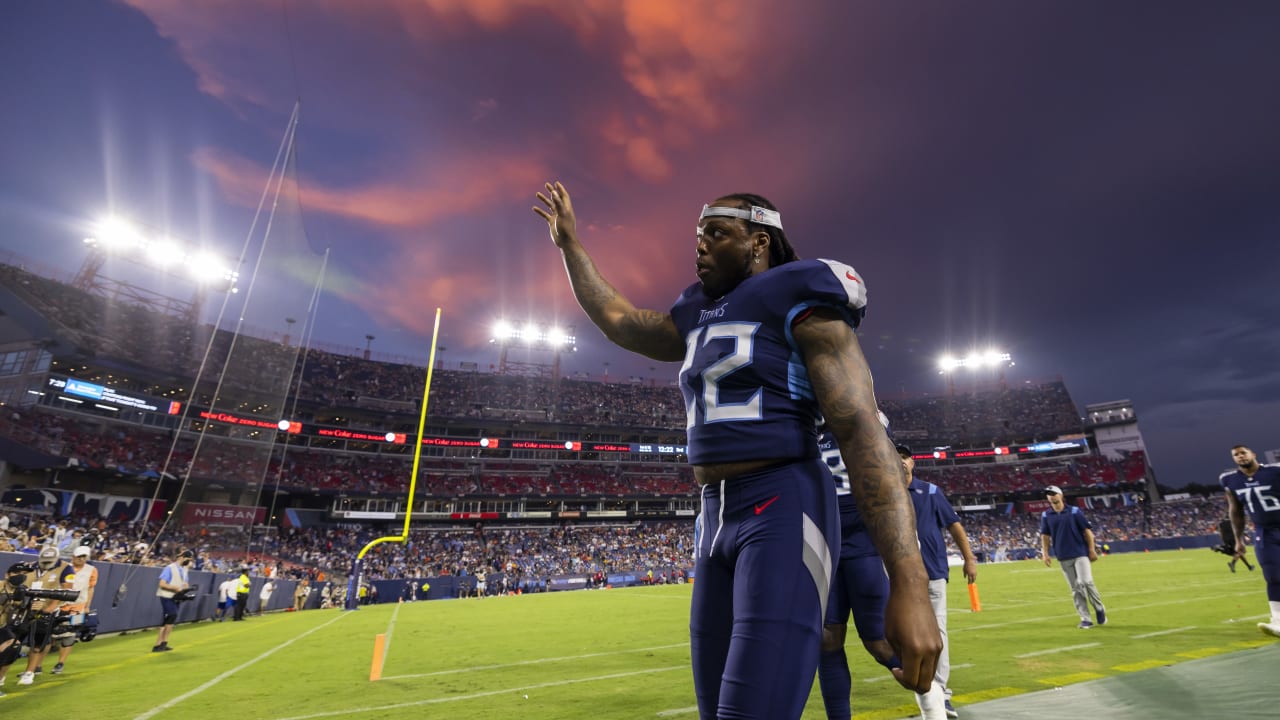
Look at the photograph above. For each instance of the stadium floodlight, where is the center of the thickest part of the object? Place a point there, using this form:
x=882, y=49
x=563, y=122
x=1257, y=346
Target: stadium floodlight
x=165, y=253
x=533, y=335
x=115, y=235
x=975, y=360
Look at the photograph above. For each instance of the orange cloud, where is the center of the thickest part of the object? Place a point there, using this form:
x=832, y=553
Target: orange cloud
x=453, y=188
x=684, y=58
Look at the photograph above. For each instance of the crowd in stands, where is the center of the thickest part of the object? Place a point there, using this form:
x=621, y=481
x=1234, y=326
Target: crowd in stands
x=320, y=553
x=139, y=450
x=157, y=353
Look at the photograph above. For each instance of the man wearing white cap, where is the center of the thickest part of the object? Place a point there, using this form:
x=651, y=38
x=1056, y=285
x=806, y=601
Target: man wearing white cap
x=1072, y=537
x=84, y=581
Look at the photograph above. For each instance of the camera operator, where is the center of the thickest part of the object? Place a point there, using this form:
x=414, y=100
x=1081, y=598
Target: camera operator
x=84, y=581
x=10, y=606
x=173, y=581
x=51, y=574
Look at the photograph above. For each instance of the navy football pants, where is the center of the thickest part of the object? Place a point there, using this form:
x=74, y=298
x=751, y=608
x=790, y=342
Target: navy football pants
x=762, y=577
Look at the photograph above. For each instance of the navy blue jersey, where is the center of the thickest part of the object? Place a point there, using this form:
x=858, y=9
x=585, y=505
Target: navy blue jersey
x=1258, y=495
x=933, y=514
x=855, y=540
x=1066, y=530
x=746, y=391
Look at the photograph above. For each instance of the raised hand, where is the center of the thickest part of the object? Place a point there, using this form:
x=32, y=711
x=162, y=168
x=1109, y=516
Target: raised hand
x=561, y=221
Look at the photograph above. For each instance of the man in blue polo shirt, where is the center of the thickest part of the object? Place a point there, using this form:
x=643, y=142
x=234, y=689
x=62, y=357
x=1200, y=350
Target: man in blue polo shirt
x=1072, y=536
x=933, y=514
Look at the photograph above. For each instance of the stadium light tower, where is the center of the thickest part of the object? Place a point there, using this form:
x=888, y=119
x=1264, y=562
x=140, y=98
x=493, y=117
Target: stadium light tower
x=990, y=359
x=531, y=336
x=115, y=237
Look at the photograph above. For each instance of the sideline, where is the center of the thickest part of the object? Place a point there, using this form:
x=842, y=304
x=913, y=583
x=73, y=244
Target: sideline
x=192, y=693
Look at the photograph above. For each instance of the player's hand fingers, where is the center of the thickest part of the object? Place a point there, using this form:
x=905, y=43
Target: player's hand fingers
x=545, y=215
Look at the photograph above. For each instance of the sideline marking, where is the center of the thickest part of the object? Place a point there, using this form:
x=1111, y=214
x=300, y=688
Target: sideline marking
x=539, y=661
x=1071, y=679
x=473, y=696
x=1144, y=665
x=678, y=711
x=1163, y=632
x=391, y=627
x=191, y=693
x=1051, y=651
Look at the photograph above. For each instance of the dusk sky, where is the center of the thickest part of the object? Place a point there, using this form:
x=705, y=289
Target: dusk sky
x=1093, y=186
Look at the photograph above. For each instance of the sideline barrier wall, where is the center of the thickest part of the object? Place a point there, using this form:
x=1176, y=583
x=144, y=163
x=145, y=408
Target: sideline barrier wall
x=138, y=607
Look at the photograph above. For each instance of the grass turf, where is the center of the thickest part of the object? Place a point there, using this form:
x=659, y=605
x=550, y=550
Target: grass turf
x=624, y=653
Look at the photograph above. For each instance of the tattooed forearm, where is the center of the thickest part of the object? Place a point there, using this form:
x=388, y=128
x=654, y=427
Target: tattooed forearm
x=648, y=332
x=842, y=383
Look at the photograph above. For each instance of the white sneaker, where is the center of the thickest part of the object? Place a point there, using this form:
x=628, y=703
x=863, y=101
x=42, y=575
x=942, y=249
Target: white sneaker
x=26, y=678
x=933, y=704
x=1272, y=628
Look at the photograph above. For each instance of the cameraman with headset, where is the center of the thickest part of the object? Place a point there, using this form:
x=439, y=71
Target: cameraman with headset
x=51, y=573
x=172, y=590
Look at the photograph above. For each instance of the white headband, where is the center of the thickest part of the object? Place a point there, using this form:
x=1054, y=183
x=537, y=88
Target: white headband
x=757, y=214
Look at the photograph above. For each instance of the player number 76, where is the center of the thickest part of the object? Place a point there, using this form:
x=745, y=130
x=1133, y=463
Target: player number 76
x=1268, y=502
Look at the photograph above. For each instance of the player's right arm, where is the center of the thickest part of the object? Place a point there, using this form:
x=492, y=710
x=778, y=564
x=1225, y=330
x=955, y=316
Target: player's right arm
x=1235, y=511
x=842, y=384
x=648, y=332
x=1044, y=550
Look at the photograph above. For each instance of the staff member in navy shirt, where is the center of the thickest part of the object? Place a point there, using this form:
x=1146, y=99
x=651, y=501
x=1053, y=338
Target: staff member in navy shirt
x=933, y=514
x=1072, y=536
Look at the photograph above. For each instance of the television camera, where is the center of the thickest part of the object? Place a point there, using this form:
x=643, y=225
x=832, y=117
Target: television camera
x=16, y=599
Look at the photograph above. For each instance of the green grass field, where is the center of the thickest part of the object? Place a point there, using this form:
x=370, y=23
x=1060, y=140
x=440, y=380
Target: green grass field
x=624, y=653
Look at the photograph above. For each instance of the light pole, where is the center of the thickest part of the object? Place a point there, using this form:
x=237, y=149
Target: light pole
x=368, y=345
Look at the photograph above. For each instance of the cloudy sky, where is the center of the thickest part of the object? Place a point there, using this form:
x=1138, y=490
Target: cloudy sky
x=1092, y=186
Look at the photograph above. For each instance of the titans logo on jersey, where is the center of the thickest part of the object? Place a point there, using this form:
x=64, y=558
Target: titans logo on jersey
x=1258, y=495
x=746, y=392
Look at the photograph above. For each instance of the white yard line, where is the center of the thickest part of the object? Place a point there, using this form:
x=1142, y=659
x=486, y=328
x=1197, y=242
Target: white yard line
x=192, y=693
x=1052, y=651
x=679, y=711
x=474, y=696
x=1246, y=619
x=1163, y=632
x=539, y=661
x=391, y=627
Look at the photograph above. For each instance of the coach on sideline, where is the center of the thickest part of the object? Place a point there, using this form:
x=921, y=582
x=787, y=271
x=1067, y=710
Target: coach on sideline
x=1072, y=536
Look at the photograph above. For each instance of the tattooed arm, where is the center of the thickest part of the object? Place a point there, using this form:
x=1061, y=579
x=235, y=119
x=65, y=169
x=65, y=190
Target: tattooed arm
x=648, y=332
x=842, y=383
